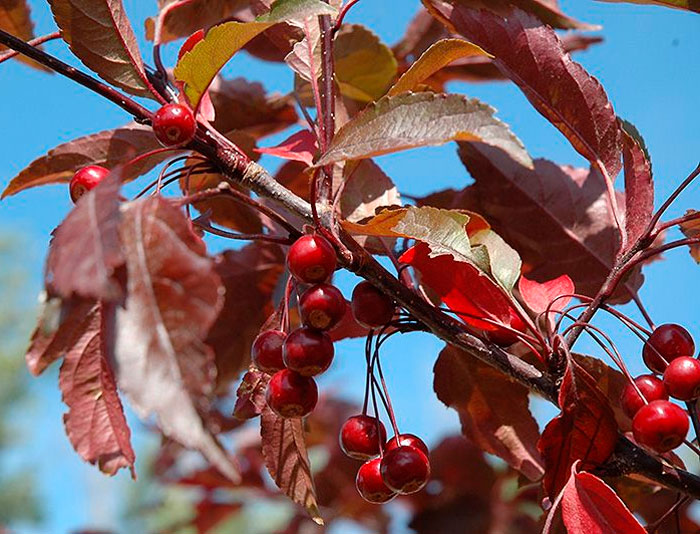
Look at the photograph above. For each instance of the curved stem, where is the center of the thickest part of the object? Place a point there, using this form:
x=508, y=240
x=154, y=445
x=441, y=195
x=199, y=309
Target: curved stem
x=9, y=54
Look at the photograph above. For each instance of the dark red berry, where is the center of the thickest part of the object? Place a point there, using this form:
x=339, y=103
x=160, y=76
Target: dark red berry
x=267, y=351
x=407, y=440
x=370, y=306
x=682, y=378
x=311, y=259
x=86, y=179
x=361, y=435
x=307, y=351
x=174, y=125
x=322, y=306
x=370, y=484
x=666, y=343
x=651, y=387
x=660, y=425
x=290, y=394
x=405, y=469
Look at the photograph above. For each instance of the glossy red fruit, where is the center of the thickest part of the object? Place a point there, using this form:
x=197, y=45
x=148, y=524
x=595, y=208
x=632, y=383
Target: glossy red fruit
x=651, y=387
x=311, y=259
x=322, y=306
x=370, y=484
x=360, y=437
x=660, y=425
x=682, y=378
x=86, y=179
x=370, y=306
x=174, y=125
x=666, y=343
x=308, y=351
x=290, y=394
x=405, y=469
x=407, y=440
x=267, y=351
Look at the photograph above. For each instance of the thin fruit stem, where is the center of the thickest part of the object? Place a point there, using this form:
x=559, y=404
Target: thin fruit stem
x=280, y=240
x=390, y=409
x=670, y=200
x=642, y=309
x=693, y=411
x=368, y=353
x=289, y=286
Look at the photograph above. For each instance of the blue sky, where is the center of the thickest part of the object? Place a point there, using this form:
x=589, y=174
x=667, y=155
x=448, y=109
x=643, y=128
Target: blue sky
x=648, y=64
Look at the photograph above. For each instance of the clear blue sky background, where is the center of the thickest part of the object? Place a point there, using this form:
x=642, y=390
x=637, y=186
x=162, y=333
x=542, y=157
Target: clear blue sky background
x=648, y=64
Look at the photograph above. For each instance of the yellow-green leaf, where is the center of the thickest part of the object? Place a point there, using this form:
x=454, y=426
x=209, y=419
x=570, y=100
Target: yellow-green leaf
x=411, y=120
x=439, y=55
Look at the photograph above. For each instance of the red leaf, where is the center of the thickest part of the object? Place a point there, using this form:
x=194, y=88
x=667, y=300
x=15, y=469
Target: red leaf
x=86, y=250
x=462, y=288
x=287, y=460
x=585, y=430
x=531, y=54
x=639, y=185
x=590, y=506
x=494, y=411
x=209, y=514
x=174, y=296
x=95, y=421
x=301, y=146
x=250, y=396
x=538, y=296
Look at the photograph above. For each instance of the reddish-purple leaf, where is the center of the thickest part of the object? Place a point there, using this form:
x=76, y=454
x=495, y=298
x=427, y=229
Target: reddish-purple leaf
x=86, y=249
x=109, y=148
x=100, y=35
x=531, y=54
x=173, y=298
x=95, y=421
x=590, y=506
x=250, y=396
x=585, y=430
x=639, y=184
x=287, y=460
x=494, y=411
x=60, y=325
x=300, y=146
x=539, y=296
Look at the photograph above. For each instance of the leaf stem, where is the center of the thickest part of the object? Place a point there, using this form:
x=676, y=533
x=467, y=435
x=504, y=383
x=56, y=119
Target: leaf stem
x=9, y=54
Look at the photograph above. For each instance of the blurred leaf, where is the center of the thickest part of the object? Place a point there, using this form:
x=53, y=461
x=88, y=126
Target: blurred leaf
x=421, y=119
x=15, y=18
x=691, y=230
x=99, y=33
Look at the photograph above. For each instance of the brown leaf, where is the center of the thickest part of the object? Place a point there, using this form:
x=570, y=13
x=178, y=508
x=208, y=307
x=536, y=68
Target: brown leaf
x=691, y=230
x=287, y=460
x=564, y=224
x=367, y=188
x=639, y=184
x=99, y=33
x=173, y=297
x=250, y=276
x=493, y=411
x=109, y=148
x=532, y=55
x=95, y=422
x=86, y=250
x=15, y=18
x=250, y=395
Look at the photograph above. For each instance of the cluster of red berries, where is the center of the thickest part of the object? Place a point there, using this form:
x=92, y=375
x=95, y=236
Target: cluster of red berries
x=173, y=124
x=399, y=466
x=658, y=423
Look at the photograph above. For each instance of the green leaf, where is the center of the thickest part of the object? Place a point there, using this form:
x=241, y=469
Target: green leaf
x=504, y=263
x=413, y=120
x=690, y=5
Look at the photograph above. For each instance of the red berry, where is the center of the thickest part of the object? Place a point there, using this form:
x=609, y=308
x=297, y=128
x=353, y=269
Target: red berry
x=405, y=469
x=311, y=259
x=322, y=306
x=651, y=387
x=267, y=351
x=86, y=179
x=370, y=306
x=290, y=394
x=307, y=351
x=370, y=484
x=660, y=425
x=682, y=378
x=174, y=125
x=667, y=342
x=407, y=440
x=361, y=435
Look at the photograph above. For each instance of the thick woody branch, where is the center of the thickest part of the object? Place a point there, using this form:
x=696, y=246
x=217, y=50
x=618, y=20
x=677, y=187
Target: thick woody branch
x=240, y=170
